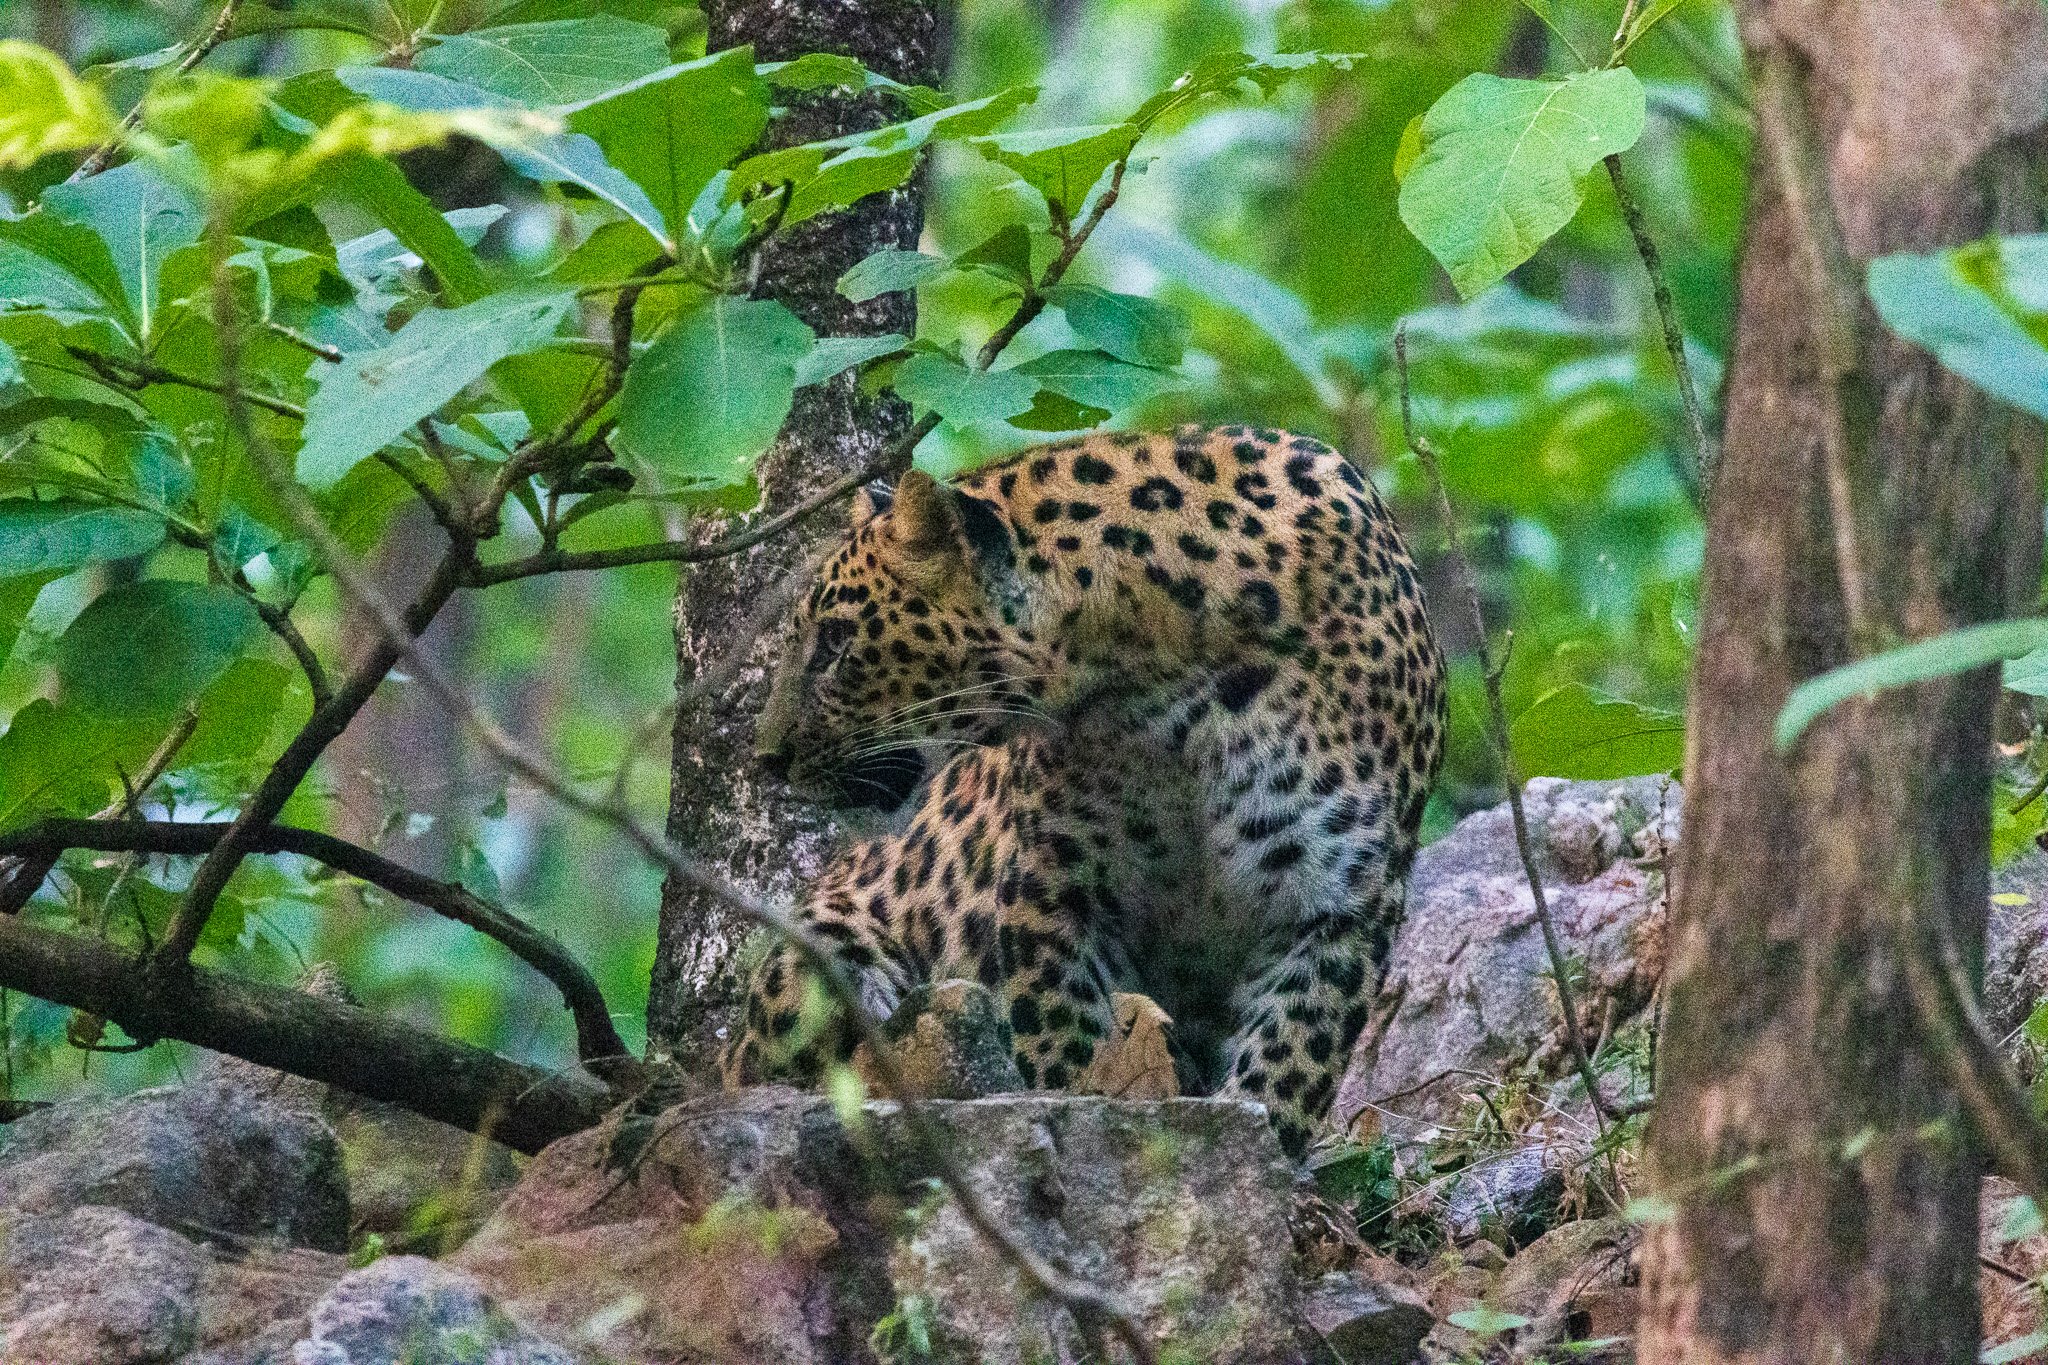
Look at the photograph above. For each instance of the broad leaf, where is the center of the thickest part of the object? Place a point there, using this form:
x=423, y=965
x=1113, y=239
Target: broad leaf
x=61, y=268
x=708, y=396
x=62, y=534
x=1574, y=731
x=372, y=397
x=1006, y=254
x=888, y=271
x=1099, y=380
x=671, y=131
x=960, y=395
x=1502, y=162
x=833, y=354
x=1226, y=72
x=62, y=760
x=44, y=108
x=1062, y=164
x=146, y=648
x=2028, y=673
x=17, y=599
x=143, y=218
x=1128, y=326
x=558, y=62
x=1969, y=308
x=1954, y=651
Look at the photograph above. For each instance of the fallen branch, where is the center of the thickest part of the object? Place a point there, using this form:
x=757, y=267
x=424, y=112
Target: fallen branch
x=597, y=1041
x=1497, y=731
x=322, y=1040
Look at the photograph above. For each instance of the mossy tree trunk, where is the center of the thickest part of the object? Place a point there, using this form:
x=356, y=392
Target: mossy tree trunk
x=720, y=809
x=1820, y=1173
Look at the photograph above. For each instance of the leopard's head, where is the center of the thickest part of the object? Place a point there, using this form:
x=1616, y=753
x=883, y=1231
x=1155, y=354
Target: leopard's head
x=906, y=648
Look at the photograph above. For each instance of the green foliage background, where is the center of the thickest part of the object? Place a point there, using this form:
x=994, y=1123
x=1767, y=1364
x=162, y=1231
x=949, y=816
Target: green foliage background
x=1272, y=227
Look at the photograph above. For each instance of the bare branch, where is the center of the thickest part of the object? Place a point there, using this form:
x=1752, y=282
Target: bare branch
x=597, y=1041
x=124, y=373
x=197, y=53
x=323, y=1040
x=1497, y=731
x=1668, y=323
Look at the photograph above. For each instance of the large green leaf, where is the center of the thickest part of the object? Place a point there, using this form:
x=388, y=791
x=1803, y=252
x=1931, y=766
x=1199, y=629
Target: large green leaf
x=58, y=760
x=17, y=599
x=44, y=108
x=1128, y=326
x=1502, y=165
x=709, y=395
x=960, y=395
x=887, y=272
x=143, y=218
x=36, y=537
x=1062, y=164
x=372, y=397
x=671, y=131
x=61, y=268
x=146, y=648
x=1099, y=380
x=1970, y=308
x=1573, y=731
x=561, y=61
x=1954, y=651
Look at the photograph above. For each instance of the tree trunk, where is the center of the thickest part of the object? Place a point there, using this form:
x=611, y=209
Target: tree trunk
x=720, y=810
x=1822, y=1181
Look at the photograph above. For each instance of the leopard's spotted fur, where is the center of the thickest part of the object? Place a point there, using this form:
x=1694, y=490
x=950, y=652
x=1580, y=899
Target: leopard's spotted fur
x=1231, y=609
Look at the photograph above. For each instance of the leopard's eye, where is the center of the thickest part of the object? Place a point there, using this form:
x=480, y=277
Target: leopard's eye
x=833, y=633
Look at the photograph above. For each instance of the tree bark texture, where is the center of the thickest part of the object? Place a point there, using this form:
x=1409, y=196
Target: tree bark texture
x=720, y=809
x=1822, y=1178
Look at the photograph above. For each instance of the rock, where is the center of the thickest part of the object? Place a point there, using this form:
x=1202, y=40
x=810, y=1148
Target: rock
x=97, y=1286
x=1574, y=1284
x=413, y=1178
x=405, y=1308
x=1468, y=983
x=211, y=1160
x=953, y=1042
x=2013, y=1255
x=1366, y=1324
x=756, y=1227
x=1510, y=1197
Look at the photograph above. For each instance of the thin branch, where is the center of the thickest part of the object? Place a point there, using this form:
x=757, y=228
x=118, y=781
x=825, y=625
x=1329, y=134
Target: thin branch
x=124, y=373
x=278, y=620
x=597, y=1040
x=205, y=44
x=522, y=1106
x=1034, y=300
x=443, y=511
x=1497, y=717
x=1668, y=322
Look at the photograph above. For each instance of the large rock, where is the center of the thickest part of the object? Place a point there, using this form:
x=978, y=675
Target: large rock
x=1468, y=989
x=408, y=1309
x=757, y=1227
x=212, y=1160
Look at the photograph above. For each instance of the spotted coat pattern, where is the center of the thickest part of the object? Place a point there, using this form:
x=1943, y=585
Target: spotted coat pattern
x=1096, y=628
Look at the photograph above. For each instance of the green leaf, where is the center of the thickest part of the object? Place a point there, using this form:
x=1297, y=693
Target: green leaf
x=146, y=648
x=2019, y=1348
x=2028, y=673
x=960, y=395
x=1573, y=731
x=61, y=268
x=1954, y=651
x=1226, y=72
x=1646, y=19
x=372, y=397
x=62, y=534
x=833, y=354
x=1487, y=1322
x=1128, y=326
x=562, y=61
x=887, y=272
x=1050, y=411
x=708, y=396
x=57, y=760
x=44, y=108
x=1006, y=254
x=1410, y=148
x=1958, y=305
x=17, y=599
x=671, y=131
x=1502, y=165
x=1062, y=164
x=143, y=218
x=1090, y=377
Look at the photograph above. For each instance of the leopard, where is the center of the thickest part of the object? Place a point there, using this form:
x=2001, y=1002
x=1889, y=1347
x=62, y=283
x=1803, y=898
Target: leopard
x=1056, y=644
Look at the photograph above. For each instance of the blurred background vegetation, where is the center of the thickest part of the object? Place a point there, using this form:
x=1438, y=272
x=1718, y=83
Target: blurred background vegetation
x=1273, y=225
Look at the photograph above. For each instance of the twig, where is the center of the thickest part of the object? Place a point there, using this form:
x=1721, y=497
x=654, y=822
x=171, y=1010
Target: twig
x=211, y=39
x=124, y=373
x=1668, y=323
x=443, y=511
x=1033, y=302
x=597, y=1040
x=1498, y=732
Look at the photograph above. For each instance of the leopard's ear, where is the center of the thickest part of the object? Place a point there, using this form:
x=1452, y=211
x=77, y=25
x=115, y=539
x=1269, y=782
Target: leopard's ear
x=927, y=522
x=869, y=503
